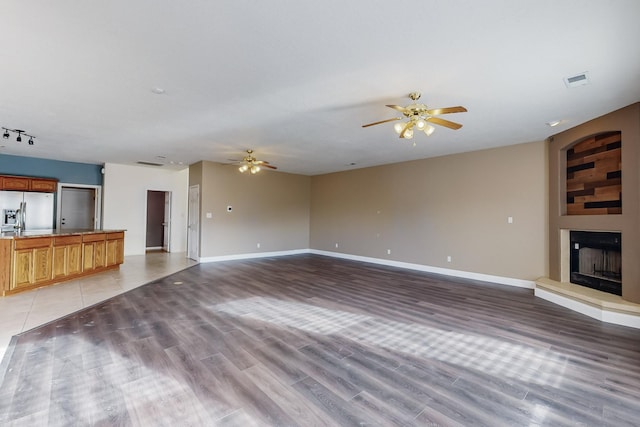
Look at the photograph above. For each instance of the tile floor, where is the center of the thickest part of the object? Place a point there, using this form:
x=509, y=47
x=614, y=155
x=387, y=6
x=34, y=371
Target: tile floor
x=21, y=312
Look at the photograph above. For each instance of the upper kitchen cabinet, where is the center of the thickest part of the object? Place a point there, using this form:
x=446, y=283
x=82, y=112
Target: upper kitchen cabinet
x=18, y=183
x=43, y=185
x=25, y=183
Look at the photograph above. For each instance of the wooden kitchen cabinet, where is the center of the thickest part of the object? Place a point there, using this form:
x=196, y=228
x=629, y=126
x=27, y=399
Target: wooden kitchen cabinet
x=43, y=185
x=17, y=183
x=93, y=250
x=115, y=248
x=26, y=183
x=32, y=262
x=67, y=256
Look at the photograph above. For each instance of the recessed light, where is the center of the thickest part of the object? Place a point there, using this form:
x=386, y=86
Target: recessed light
x=157, y=90
x=553, y=123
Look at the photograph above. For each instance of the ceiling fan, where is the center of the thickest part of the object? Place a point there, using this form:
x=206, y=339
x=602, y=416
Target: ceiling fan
x=251, y=164
x=419, y=116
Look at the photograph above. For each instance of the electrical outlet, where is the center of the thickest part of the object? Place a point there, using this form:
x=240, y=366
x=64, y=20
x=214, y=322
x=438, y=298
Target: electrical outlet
x=258, y=245
x=336, y=246
x=510, y=220
x=209, y=215
x=449, y=258
x=388, y=251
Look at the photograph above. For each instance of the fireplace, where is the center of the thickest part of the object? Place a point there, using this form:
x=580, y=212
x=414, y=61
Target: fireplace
x=596, y=260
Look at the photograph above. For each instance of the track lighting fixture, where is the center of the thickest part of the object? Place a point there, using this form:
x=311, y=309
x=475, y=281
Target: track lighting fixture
x=20, y=132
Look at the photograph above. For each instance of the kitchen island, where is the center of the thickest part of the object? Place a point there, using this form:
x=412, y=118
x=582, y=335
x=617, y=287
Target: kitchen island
x=31, y=259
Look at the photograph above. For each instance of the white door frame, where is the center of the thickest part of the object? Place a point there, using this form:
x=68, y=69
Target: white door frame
x=166, y=238
x=97, y=222
x=193, y=223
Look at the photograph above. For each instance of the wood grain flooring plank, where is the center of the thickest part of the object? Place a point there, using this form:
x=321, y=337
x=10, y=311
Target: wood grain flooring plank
x=106, y=404
x=361, y=380
x=383, y=413
x=239, y=418
x=206, y=387
x=34, y=381
x=436, y=392
x=333, y=406
x=287, y=398
x=280, y=359
x=243, y=392
x=314, y=340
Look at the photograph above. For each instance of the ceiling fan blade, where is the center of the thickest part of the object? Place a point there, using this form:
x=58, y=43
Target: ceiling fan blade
x=445, y=123
x=397, y=107
x=268, y=166
x=438, y=111
x=381, y=121
x=261, y=162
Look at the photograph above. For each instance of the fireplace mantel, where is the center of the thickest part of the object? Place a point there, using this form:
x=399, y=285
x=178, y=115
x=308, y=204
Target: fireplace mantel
x=626, y=121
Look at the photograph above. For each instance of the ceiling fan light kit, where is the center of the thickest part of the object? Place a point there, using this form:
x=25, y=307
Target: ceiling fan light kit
x=253, y=165
x=419, y=117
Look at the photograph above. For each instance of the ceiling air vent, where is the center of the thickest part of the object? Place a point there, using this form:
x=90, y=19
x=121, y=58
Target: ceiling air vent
x=577, y=80
x=149, y=163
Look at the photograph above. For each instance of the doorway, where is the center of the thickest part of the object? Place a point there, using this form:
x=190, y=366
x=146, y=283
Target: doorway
x=78, y=207
x=158, y=220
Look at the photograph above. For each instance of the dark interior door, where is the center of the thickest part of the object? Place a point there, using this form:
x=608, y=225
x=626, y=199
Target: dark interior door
x=155, y=219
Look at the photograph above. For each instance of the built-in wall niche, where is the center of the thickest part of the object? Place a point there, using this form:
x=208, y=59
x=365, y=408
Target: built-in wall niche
x=594, y=175
x=596, y=260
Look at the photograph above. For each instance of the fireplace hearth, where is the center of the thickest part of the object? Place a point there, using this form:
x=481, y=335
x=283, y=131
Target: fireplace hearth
x=596, y=260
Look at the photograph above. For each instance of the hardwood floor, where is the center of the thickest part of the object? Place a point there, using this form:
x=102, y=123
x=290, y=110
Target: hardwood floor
x=308, y=340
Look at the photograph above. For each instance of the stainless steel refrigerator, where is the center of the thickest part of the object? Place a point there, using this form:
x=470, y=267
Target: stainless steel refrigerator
x=32, y=211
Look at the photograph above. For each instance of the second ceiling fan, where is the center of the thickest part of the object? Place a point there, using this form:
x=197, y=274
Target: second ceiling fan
x=419, y=118
x=251, y=164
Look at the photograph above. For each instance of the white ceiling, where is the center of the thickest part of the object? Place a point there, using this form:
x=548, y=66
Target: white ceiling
x=295, y=80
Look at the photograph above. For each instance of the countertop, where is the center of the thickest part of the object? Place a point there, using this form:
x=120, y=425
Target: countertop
x=51, y=233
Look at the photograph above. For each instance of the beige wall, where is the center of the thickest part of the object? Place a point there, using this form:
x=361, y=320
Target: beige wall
x=626, y=120
x=271, y=208
x=426, y=210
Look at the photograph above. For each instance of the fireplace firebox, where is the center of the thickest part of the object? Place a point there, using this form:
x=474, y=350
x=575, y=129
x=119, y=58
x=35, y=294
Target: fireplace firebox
x=596, y=260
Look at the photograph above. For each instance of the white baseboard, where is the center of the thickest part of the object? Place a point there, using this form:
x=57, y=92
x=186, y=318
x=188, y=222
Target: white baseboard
x=253, y=255
x=529, y=284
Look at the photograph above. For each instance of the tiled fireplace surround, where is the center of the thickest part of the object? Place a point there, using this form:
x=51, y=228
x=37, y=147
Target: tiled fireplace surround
x=623, y=310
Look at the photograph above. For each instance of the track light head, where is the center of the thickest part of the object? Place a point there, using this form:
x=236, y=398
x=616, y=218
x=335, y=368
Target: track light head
x=19, y=138
x=31, y=140
x=5, y=135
